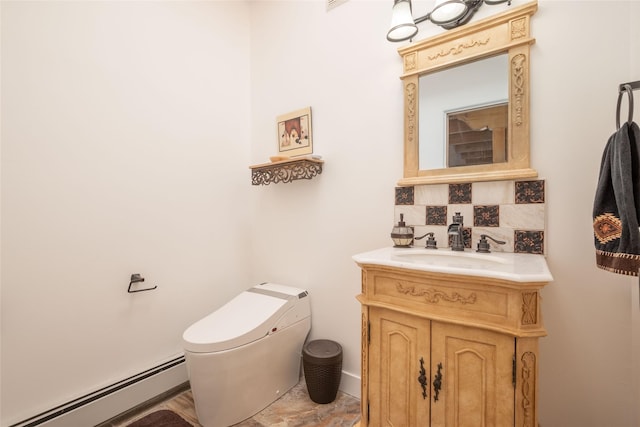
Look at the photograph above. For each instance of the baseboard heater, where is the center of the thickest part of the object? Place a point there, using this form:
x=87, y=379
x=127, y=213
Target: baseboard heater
x=108, y=402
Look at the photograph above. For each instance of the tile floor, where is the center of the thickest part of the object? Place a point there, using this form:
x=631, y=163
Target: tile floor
x=293, y=409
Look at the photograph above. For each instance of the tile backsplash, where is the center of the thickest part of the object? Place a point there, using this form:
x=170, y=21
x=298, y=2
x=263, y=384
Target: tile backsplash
x=510, y=211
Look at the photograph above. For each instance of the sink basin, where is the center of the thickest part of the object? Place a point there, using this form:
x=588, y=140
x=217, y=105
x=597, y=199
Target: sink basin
x=499, y=265
x=450, y=258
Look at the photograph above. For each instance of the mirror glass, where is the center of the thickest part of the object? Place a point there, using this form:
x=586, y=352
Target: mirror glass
x=463, y=114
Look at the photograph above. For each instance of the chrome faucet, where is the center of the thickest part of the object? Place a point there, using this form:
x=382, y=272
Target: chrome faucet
x=456, y=230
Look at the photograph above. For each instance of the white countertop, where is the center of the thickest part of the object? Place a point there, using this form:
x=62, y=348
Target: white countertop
x=515, y=267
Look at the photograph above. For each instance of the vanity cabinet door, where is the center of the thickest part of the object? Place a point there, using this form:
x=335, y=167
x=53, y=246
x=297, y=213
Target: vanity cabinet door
x=472, y=373
x=398, y=351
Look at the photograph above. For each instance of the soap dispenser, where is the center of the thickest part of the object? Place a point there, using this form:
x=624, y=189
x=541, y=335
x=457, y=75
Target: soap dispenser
x=402, y=235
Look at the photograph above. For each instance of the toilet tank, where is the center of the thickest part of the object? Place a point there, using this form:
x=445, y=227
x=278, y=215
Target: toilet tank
x=298, y=306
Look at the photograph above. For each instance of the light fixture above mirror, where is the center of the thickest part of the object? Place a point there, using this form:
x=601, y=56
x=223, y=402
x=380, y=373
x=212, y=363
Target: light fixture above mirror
x=447, y=13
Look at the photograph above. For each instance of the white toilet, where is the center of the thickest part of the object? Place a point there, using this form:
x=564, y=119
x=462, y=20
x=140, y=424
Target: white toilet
x=245, y=355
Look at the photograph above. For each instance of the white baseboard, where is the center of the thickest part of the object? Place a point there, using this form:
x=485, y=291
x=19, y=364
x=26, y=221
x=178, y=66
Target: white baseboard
x=101, y=406
x=350, y=384
x=112, y=404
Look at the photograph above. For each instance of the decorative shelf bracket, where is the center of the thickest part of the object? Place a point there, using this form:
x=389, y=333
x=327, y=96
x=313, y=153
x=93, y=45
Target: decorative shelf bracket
x=285, y=171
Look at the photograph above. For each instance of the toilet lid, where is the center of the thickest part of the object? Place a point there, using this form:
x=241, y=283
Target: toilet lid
x=246, y=318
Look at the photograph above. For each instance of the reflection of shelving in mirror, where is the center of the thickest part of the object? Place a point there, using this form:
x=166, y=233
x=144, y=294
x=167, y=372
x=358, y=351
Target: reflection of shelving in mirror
x=477, y=136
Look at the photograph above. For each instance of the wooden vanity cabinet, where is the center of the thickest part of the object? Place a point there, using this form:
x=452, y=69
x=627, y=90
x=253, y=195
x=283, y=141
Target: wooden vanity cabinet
x=396, y=356
x=448, y=350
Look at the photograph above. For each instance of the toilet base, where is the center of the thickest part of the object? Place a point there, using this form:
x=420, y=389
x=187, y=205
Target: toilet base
x=233, y=385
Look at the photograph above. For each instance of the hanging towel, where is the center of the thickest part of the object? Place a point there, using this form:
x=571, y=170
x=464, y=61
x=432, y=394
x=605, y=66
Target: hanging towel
x=616, y=208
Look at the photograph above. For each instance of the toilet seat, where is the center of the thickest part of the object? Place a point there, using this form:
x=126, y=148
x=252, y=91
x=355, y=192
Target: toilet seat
x=248, y=317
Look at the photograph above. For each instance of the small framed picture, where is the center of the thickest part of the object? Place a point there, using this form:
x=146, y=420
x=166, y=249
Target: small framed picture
x=294, y=133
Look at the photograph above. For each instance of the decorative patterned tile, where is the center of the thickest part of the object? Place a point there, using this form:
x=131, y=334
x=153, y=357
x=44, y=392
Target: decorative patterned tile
x=467, y=232
x=530, y=191
x=512, y=211
x=404, y=195
x=486, y=216
x=436, y=215
x=459, y=193
x=529, y=242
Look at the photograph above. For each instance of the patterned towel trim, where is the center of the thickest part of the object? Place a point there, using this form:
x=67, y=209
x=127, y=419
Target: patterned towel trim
x=620, y=263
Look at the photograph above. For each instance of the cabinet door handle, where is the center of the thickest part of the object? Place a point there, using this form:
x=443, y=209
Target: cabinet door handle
x=437, y=383
x=422, y=379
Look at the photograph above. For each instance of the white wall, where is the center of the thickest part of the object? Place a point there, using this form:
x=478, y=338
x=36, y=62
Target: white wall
x=124, y=150
x=340, y=63
x=1, y=330
x=305, y=233
x=586, y=361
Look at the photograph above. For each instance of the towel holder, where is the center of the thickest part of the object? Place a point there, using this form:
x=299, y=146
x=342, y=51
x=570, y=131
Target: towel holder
x=628, y=88
x=137, y=278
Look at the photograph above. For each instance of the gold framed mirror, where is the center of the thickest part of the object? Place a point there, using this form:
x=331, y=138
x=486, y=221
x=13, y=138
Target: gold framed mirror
x=464, y=54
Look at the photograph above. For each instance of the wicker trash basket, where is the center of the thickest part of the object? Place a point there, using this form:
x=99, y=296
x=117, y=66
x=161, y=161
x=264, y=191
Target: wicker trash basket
x=322, y=362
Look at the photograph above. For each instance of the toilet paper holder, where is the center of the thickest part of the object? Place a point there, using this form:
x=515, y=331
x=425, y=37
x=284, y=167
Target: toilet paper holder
x=137, y=278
